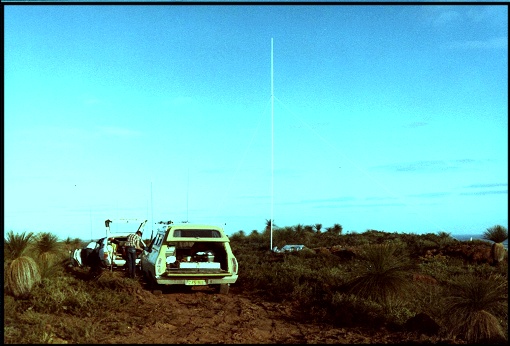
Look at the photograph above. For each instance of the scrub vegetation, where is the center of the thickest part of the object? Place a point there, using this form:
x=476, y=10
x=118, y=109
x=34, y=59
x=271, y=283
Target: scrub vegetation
x=428, y=288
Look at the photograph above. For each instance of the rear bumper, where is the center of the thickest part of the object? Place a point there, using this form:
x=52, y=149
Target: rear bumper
x=182, y=280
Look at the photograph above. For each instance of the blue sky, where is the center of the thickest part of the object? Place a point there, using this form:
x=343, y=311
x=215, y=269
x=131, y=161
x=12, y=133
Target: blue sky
x=388, y=117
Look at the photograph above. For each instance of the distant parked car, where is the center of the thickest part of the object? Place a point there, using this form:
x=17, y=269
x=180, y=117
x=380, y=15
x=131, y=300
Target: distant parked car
x=289, y=248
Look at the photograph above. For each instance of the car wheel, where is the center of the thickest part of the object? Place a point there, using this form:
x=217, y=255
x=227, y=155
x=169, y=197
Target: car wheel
x=151, y=281
x=222, y=288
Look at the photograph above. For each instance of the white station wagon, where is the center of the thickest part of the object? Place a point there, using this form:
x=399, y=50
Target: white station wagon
x=191, y=255
x=117, y=232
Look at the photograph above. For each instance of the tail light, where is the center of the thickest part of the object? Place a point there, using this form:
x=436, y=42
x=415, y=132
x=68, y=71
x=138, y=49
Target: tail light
x=234, y=265
x=160, y=266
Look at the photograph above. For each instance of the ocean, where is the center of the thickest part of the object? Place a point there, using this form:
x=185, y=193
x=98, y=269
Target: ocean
x=466, y=237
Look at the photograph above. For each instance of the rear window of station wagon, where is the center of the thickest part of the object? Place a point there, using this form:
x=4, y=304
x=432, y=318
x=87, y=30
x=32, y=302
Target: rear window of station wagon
x=196, y=233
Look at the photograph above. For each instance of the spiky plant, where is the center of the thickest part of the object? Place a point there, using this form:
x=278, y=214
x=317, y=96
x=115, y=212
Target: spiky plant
x=46, y=243
x=68, y=242
x=498, y=234
x=472, y=307
x=49, y=265
x=444, y=238
x=77, y=243
x=385, y=277
x=47, y=248
x=22, y=274
x=336, y=229
x=16, y=244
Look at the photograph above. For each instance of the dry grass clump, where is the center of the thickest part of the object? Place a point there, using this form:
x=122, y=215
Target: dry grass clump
x=472, y=306
x=50, y=265
x=482, y=327
x=385, y=278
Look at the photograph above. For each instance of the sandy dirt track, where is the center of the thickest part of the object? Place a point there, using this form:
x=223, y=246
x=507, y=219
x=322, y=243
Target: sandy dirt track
x=201, y=316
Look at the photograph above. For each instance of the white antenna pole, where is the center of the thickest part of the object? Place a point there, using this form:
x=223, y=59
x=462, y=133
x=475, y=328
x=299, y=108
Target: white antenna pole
x=152, y=211
x=90, y=212
x=187, y=200
x=272, y=146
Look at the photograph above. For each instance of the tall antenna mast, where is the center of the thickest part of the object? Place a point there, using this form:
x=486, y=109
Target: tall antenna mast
x=90, y=211
x=272, y=146
x=152, y=211
x=187, y=200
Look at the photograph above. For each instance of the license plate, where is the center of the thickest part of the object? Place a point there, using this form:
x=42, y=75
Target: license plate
x=195, y=282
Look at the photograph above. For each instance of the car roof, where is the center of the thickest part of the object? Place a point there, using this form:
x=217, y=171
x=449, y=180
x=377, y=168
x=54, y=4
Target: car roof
x=190, y=226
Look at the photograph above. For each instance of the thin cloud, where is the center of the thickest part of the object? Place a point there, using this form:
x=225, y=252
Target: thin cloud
x=481, y=193
x=476, y=186
x=431, y=194
x=428, y=165
x=439, y=15
x=358, y=205
x=446, y=16
x=322, y=200
x=347, y=202
x=485, y=189
x=493, y=43
x=379, y=198
x=488, y=15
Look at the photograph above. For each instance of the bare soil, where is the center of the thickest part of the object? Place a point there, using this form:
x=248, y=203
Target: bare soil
x=198, y=315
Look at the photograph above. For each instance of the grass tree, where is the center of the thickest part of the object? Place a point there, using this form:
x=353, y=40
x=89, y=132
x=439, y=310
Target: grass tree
x=498, y=234
x=16, y=244
x=77, y=243
x=444, y=238
x=22, y=271
x=46, y=244
x=68, y=242
x=269, y=224
x=474, y=307
x=385, y=275
x=336, y=229
x=48, y=249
